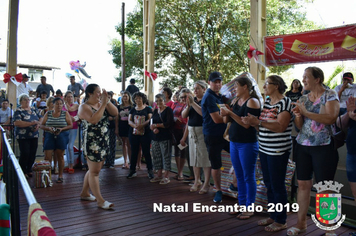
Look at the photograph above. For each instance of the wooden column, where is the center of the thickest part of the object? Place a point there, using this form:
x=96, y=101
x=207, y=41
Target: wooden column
x=11, y=61
x=123, y=77
x=149, y=44
x=258, y=31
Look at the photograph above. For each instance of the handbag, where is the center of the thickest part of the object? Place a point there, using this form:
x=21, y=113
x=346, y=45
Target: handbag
x=138, y=120
x=339, y=137
x=173, y=138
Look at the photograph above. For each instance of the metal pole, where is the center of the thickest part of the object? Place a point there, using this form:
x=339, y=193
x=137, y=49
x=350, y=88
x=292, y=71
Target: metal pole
x=123, y=78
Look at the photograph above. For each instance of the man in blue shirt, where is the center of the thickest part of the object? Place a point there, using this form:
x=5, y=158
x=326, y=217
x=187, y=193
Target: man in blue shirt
x=214, y=128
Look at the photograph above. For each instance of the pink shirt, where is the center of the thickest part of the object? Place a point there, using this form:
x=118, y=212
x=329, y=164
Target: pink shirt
x=73, y=114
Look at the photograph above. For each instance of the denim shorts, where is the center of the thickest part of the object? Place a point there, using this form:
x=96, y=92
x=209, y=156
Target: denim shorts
x=53, y=142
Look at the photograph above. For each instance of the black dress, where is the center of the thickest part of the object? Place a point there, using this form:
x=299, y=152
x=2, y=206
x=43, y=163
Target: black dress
x=123, y=120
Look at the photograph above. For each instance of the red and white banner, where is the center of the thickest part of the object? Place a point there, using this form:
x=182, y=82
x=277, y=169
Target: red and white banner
x=313, y=46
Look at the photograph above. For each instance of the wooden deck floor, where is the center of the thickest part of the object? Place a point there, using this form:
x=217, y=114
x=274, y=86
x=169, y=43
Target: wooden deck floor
x=133, y=213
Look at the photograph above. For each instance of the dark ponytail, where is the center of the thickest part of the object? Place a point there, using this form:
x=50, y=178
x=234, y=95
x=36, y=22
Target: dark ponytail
x=253, y=93
x=89, y=90
x=246, y=81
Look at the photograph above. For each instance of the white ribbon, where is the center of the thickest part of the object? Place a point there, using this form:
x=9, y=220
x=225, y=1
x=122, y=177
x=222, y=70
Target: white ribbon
x=13, y=80
x=44, y=174
x=258, y=60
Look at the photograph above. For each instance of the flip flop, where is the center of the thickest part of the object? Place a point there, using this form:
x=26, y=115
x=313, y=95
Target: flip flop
x=91, y=198
x=59, y=180
x=107, y=205
x=295, y=231
x=275, y=228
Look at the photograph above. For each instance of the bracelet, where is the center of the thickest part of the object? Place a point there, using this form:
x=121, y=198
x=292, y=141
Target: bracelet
x=260, y=124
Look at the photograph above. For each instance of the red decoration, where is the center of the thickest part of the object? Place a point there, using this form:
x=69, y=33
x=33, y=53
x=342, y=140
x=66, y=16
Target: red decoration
x=8, y=77
x=253, y=53
x=152, y=75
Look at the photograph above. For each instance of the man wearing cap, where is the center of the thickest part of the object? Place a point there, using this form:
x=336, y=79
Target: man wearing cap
x=76, y=88
x=213, y=129
x=24, y=87
x=44, y=87
x=345, y=90
x=132, y=88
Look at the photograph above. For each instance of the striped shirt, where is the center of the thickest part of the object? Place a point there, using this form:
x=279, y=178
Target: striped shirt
x=57, y=122
x=272, y=143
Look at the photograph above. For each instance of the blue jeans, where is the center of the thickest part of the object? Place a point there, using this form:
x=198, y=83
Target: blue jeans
x=274, y=169
x=69, y=149
x=351, y=167
x=243, y=158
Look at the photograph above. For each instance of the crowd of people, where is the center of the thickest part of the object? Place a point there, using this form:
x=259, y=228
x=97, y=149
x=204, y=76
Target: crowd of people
x=192, y=124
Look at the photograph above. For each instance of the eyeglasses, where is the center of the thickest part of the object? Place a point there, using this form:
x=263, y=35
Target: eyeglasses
x=267, y=83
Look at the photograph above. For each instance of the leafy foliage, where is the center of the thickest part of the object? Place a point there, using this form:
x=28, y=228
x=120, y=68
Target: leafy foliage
x=196, y=37
x=331, y=82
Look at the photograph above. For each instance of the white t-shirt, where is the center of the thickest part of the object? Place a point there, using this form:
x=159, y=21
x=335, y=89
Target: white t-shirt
x=22, y=89
x=42, y=103
x=5, y=115
x=350, y=91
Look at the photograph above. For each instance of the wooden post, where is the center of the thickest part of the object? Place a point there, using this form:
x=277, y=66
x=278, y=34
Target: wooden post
x=258, y=31
x=11, y=63
x=149, y=44
x=123, y=77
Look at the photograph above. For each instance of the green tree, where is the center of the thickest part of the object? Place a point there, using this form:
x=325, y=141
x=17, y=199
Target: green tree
x=195, y=37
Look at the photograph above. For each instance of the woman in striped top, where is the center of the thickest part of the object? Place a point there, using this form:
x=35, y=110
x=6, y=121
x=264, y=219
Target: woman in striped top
x=275, y=143
x=56, y=124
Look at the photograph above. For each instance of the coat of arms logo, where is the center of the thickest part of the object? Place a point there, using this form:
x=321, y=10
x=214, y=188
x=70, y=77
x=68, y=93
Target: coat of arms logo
x=328, y=206
x=278, y=47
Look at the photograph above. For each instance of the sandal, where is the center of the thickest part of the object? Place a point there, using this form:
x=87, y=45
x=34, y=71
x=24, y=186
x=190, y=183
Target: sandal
x=165, y=181
x=204, y=190
x=180, y=178
x=70, y=171
x=244, y=216
x=59, y=180
x=295, y=231
x=275, y=228
x=56, y=170
x=265, y=222
x=107, y=205
x=194, y=188
x=156, y=179
x=91, y=198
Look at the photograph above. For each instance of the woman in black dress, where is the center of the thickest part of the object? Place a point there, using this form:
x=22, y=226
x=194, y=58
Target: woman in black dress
x=122, y=126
